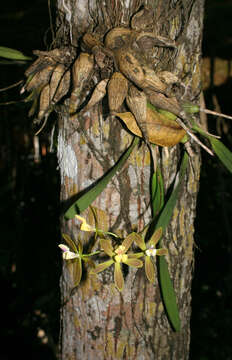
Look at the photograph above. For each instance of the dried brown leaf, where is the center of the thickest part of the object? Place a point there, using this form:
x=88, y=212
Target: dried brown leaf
x=159, y=129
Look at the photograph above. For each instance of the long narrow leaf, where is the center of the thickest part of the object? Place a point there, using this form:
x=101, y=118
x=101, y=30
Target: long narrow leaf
x=168, y=294
x=157, y=192
x=166, y=285
x=13, y=54
x=166, y=214
x=154, y=186
x=223, y=153
x=87, y=198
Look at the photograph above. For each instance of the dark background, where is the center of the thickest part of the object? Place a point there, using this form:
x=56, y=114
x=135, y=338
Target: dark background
x=29, y=201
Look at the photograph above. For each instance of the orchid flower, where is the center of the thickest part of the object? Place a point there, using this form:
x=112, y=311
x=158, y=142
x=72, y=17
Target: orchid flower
x=76, y=256
x=118, y=256
x=86, y=227
x=67, y=254
x=149, y=250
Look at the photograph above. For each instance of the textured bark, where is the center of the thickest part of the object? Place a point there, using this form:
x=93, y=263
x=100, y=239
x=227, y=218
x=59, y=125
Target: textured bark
x=98, y=322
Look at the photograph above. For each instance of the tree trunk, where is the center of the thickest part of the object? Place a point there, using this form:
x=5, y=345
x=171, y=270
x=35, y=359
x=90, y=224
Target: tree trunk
x=97, y=321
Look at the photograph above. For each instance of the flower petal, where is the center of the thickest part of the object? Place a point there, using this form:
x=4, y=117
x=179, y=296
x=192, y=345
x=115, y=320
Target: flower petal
x=128, y=241
x=80, y=218
x=69, y=255
x=102, y=266
x=155, y=237
x=70, y=242
x=107, y=247
x=149, y=269
x=85, y=226
x=140, y=241
x=161, y=252
x=133, y=262
x=136, y=255
x=77, y=272
x=118, y=276
x=63, y=247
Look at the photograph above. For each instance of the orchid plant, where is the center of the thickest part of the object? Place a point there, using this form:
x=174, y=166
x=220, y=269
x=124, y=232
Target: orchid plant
x=118, y=254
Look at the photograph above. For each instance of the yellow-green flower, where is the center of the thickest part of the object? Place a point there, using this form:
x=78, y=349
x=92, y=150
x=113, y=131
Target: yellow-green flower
x=150, y=250
x=67, y=254
x=118, y=256
x=75, y=256
x=86, y=227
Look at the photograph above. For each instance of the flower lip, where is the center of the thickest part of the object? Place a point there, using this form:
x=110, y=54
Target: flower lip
x=121, y=258
x=120, y=250
x=63, y=247
x=67, y=254
x=151, y=251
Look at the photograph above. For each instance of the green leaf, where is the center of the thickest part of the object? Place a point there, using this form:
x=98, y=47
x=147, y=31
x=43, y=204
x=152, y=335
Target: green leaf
x=157, y=192
x=13, y=54
x=154, y=186
x=166, y=285
x=88, y=197
x=167, y=211
x=223, y=153
x=168, y=294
